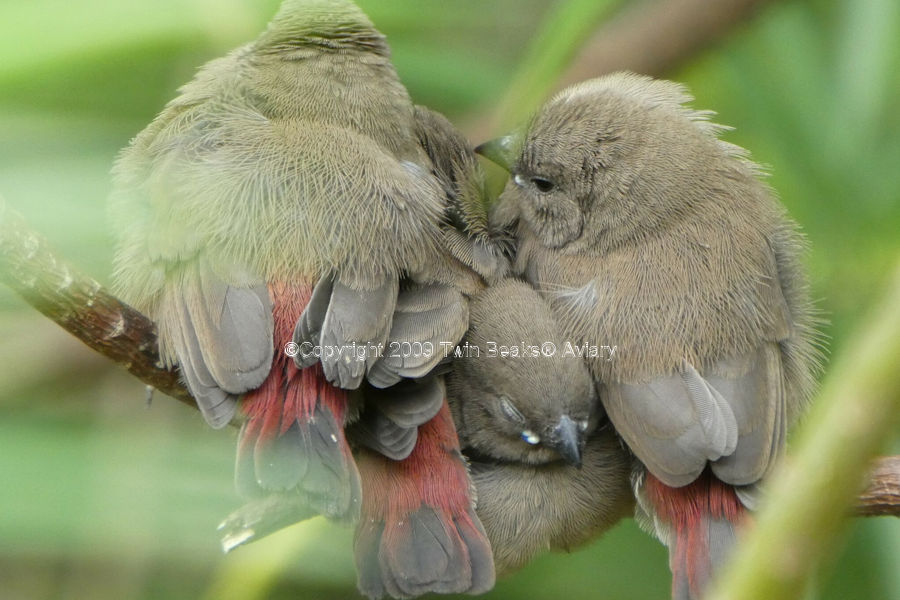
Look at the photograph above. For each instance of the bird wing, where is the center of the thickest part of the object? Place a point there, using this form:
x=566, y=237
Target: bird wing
x=733, y=416
x=221, y=335
x=350, y=325
x=753, y=385
x=426, y=319
x=468, y=236
x=391, y=417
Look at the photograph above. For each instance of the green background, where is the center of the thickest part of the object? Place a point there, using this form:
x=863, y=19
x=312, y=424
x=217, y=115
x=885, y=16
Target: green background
x=101, y=497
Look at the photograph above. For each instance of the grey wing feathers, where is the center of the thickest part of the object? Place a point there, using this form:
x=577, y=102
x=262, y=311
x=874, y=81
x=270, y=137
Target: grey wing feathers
x=260, y=517
x=374, y=430
x=733, y=417
x=352, y=325
x=216, y=405
x=425, y=314
x=754, y=387
x=309, y=326
x=674, y=424
x=391, y=418
x=411, y=402
x=221, y=336
x=716, y=419
x=750, y=495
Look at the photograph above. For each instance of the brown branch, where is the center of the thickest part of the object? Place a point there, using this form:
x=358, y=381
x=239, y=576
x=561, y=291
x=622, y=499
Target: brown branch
x=655, y=37
x=80, y=306
x=882, y=494
x=652, y=37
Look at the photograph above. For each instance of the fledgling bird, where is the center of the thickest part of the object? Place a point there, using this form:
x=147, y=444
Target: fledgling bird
x=419, y=532
x=546, y=476
x=289, y=175
x=645, y=230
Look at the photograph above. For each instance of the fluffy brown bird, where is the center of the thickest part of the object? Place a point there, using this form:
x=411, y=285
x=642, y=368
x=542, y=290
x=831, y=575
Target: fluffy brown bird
x=419, y=532
x=646, y=231
x=290, y=175
x=546, y=477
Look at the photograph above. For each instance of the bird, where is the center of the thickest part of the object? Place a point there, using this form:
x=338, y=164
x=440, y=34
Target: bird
x=548, y=469
x=646, y=231
x=419, y=531
x=289, y=175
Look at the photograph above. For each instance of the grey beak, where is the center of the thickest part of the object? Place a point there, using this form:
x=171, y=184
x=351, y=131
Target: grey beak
x=501, y=150
x=566, y=439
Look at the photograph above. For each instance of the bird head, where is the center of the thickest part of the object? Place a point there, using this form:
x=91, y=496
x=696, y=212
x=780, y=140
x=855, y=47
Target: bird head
x=520, y=399
x=607, y=161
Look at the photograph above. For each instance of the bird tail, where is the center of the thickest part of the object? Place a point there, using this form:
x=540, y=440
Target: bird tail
x=419, y=532
x=292, y=441
x=698, y=523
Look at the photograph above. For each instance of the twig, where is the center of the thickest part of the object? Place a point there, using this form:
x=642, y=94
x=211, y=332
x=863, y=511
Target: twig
x=652, y=37
x=81, y=306
x=655, y=37
x=882, y=495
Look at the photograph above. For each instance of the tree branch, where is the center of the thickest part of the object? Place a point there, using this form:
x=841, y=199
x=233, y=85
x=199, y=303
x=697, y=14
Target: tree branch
x=881, y=497
x=655, y=37
x=82, y=307
x=651, y=37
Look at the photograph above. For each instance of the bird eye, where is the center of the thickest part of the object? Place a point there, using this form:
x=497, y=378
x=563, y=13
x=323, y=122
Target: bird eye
x=542, y=184
x=510, y=411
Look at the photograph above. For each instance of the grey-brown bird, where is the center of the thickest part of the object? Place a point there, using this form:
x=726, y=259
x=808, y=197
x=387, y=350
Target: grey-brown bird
x=288, y=175
x=419, y=532
x=647, y=232
x=527, y=414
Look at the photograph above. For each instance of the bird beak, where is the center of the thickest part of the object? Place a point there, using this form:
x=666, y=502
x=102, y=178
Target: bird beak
x=565, y=438
x=502, y=150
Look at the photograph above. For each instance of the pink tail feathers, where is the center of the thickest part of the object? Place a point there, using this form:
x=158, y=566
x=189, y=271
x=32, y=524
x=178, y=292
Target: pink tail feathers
x=419, y=532
x=293, y=437
x=698, y=522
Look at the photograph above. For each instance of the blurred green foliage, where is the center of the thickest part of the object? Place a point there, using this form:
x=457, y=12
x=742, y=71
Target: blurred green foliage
x=100, y=498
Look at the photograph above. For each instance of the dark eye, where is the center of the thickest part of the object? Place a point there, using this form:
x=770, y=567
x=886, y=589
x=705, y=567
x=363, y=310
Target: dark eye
x=542, y=184
x=510, y=411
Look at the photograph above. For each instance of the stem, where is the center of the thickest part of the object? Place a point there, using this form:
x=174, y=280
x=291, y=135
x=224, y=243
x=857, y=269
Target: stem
x=856, y=414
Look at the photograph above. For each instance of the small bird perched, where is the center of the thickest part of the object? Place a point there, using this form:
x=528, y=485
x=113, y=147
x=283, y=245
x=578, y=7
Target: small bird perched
x=546, y=477
x=419, y=532
x=288, y=175
x=646, y=231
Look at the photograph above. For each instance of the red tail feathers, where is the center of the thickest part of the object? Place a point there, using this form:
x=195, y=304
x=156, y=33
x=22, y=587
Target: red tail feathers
x=293, y=438
x=419, y=532
x=699, y=520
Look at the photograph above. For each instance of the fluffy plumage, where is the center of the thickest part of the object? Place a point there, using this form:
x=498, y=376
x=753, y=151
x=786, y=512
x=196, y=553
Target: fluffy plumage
x=292, y=173
x=419, y=531
x=499, y=401
x=527, y=509
x=647, y=232
x=530, y=497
